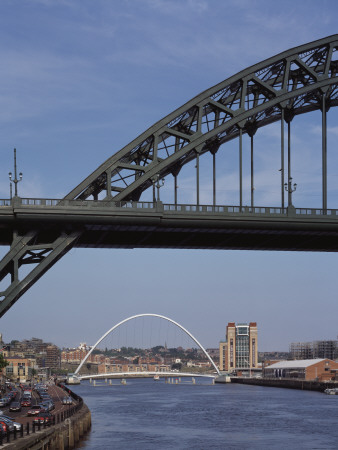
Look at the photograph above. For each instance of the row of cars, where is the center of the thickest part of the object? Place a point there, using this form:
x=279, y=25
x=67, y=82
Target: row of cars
x=8, y=398
x=22, y=396
x=40, y=411
x=7, y=423
x=26, y=399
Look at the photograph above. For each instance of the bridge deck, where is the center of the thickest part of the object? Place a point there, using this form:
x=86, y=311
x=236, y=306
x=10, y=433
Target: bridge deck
x=145, y=374
x=157, y=225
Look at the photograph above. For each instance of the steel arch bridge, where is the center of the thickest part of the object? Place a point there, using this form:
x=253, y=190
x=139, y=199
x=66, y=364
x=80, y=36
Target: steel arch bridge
x=106, y=209
x=147, y=315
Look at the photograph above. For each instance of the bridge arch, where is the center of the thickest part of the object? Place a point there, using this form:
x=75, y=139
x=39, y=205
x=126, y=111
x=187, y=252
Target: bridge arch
x=148, y=315
x=296, y=81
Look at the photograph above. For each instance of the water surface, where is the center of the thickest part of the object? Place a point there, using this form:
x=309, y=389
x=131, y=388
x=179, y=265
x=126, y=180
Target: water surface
x=147, y=414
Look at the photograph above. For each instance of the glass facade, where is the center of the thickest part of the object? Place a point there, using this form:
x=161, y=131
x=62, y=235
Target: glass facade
x=239, y=350
x=242, y=347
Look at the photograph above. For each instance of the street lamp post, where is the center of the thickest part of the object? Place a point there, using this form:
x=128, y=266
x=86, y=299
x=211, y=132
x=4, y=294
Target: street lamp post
x=158, y=184
x=15, y=180
x=290, y=189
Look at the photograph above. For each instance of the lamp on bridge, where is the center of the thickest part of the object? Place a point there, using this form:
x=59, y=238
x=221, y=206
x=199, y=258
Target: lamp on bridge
x=290, y=189
x=16, y=180
x=158, y=184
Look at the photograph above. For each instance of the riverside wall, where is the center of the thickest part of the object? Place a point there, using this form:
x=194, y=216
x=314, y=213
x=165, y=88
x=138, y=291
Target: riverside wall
x=286, y=383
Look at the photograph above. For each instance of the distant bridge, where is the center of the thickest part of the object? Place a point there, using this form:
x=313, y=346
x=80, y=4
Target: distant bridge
x=146, y=315
x=145, y=374
x=107, y=210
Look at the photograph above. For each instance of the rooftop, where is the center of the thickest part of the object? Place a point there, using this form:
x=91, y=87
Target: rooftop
x=299, y=364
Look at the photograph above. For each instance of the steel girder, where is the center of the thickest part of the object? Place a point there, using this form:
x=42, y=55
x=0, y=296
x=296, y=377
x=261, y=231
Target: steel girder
x=294, y=81
x=29, y=250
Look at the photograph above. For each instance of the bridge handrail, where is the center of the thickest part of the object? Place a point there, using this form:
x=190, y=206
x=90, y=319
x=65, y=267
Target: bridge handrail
x=316, y=212
x=5, y=202
x=167, y=207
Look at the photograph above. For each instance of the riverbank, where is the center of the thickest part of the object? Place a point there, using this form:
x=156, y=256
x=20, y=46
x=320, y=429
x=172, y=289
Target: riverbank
x=286, y=383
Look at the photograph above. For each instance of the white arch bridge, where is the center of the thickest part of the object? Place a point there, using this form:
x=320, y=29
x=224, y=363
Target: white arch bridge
x=138, y=374
x=145, y=374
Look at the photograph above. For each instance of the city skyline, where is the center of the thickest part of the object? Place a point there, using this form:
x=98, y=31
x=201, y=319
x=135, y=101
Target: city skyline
x=78, y=83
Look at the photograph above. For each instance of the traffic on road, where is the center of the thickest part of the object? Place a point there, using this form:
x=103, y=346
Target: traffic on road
x=23, y=404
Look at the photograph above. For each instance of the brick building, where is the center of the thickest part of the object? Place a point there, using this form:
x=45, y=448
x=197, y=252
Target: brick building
x=19, y=368
x=118, y=367
x=76, y=356
x=304, y=369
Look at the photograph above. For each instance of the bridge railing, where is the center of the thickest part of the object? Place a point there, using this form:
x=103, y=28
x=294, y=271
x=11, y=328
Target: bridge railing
x=224, y=209
x=85, y=203
x=5, y=202
x=168, y=207
x=316, y=212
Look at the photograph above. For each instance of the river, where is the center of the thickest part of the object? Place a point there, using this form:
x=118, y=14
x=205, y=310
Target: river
x=146, y=414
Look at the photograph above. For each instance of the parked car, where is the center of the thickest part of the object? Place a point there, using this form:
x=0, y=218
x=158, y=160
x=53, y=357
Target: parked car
x=26, y=402
x=43, y=417
x=67, y=401
x=10, y=423
x=35, y=410
x=15, y=406
x=2, y=431
x=48, y=405
x=8, y=398
x=16, y=425
x=3, y=401
x=7, y=425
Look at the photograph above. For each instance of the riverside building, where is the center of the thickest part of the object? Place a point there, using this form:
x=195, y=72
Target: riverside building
x=320, y=369
x=315, y=349
x=239, y=351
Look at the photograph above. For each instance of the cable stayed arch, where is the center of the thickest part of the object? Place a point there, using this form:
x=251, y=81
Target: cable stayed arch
x=147, y=315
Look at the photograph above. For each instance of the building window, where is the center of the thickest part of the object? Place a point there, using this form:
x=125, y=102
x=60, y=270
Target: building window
x=231, y=353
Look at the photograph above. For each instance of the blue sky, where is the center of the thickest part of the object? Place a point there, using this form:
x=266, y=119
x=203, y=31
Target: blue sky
x=81, y=79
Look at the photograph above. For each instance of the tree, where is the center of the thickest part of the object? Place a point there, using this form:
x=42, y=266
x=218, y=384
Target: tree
x=3, y=362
